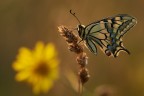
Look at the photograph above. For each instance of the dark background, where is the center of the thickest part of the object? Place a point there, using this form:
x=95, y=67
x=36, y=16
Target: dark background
x=24, y=22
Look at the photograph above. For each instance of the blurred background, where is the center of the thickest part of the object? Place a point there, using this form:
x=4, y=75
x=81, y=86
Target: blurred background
x=24, y=22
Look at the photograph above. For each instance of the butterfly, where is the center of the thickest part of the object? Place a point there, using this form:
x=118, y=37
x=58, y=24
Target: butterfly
x=107, y=33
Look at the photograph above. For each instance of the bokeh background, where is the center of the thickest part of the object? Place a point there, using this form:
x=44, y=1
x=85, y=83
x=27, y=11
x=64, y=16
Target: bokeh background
x=24, y=22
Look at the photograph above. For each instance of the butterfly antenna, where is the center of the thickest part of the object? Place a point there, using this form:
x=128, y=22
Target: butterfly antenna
x=75, y=16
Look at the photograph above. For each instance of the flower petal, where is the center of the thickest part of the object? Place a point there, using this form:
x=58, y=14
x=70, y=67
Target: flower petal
x=24, y=59
x=38, y=52
x=50, y=51
x=24, y=75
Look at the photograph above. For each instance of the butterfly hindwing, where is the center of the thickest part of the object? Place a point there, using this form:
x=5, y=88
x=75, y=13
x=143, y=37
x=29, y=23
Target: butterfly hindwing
x=108, y=33
x=91, y=45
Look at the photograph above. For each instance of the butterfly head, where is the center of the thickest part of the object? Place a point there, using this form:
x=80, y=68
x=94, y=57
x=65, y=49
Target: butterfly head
x=81, y=30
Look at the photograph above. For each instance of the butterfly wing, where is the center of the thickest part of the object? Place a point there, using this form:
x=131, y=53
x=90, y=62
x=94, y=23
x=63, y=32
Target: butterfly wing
x=108, y=33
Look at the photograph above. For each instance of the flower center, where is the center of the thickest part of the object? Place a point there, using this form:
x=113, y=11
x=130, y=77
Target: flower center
x=42, y=69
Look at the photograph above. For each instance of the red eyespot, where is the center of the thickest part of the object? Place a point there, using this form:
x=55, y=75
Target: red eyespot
x=107, y=52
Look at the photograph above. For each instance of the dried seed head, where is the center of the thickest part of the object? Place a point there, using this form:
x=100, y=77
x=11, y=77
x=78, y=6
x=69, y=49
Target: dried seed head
x=82, y=59
x=75, y=48
x=62, y=29
x=84, y=75
x=68, y=34
x=71, y=39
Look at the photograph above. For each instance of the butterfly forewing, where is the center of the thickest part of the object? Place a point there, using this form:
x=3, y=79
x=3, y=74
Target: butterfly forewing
x=107, y=33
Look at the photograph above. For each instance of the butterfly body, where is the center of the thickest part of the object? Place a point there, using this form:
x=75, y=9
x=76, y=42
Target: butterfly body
x=107, y=33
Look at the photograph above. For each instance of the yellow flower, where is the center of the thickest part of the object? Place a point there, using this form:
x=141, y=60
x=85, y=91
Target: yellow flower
x=38, y=67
